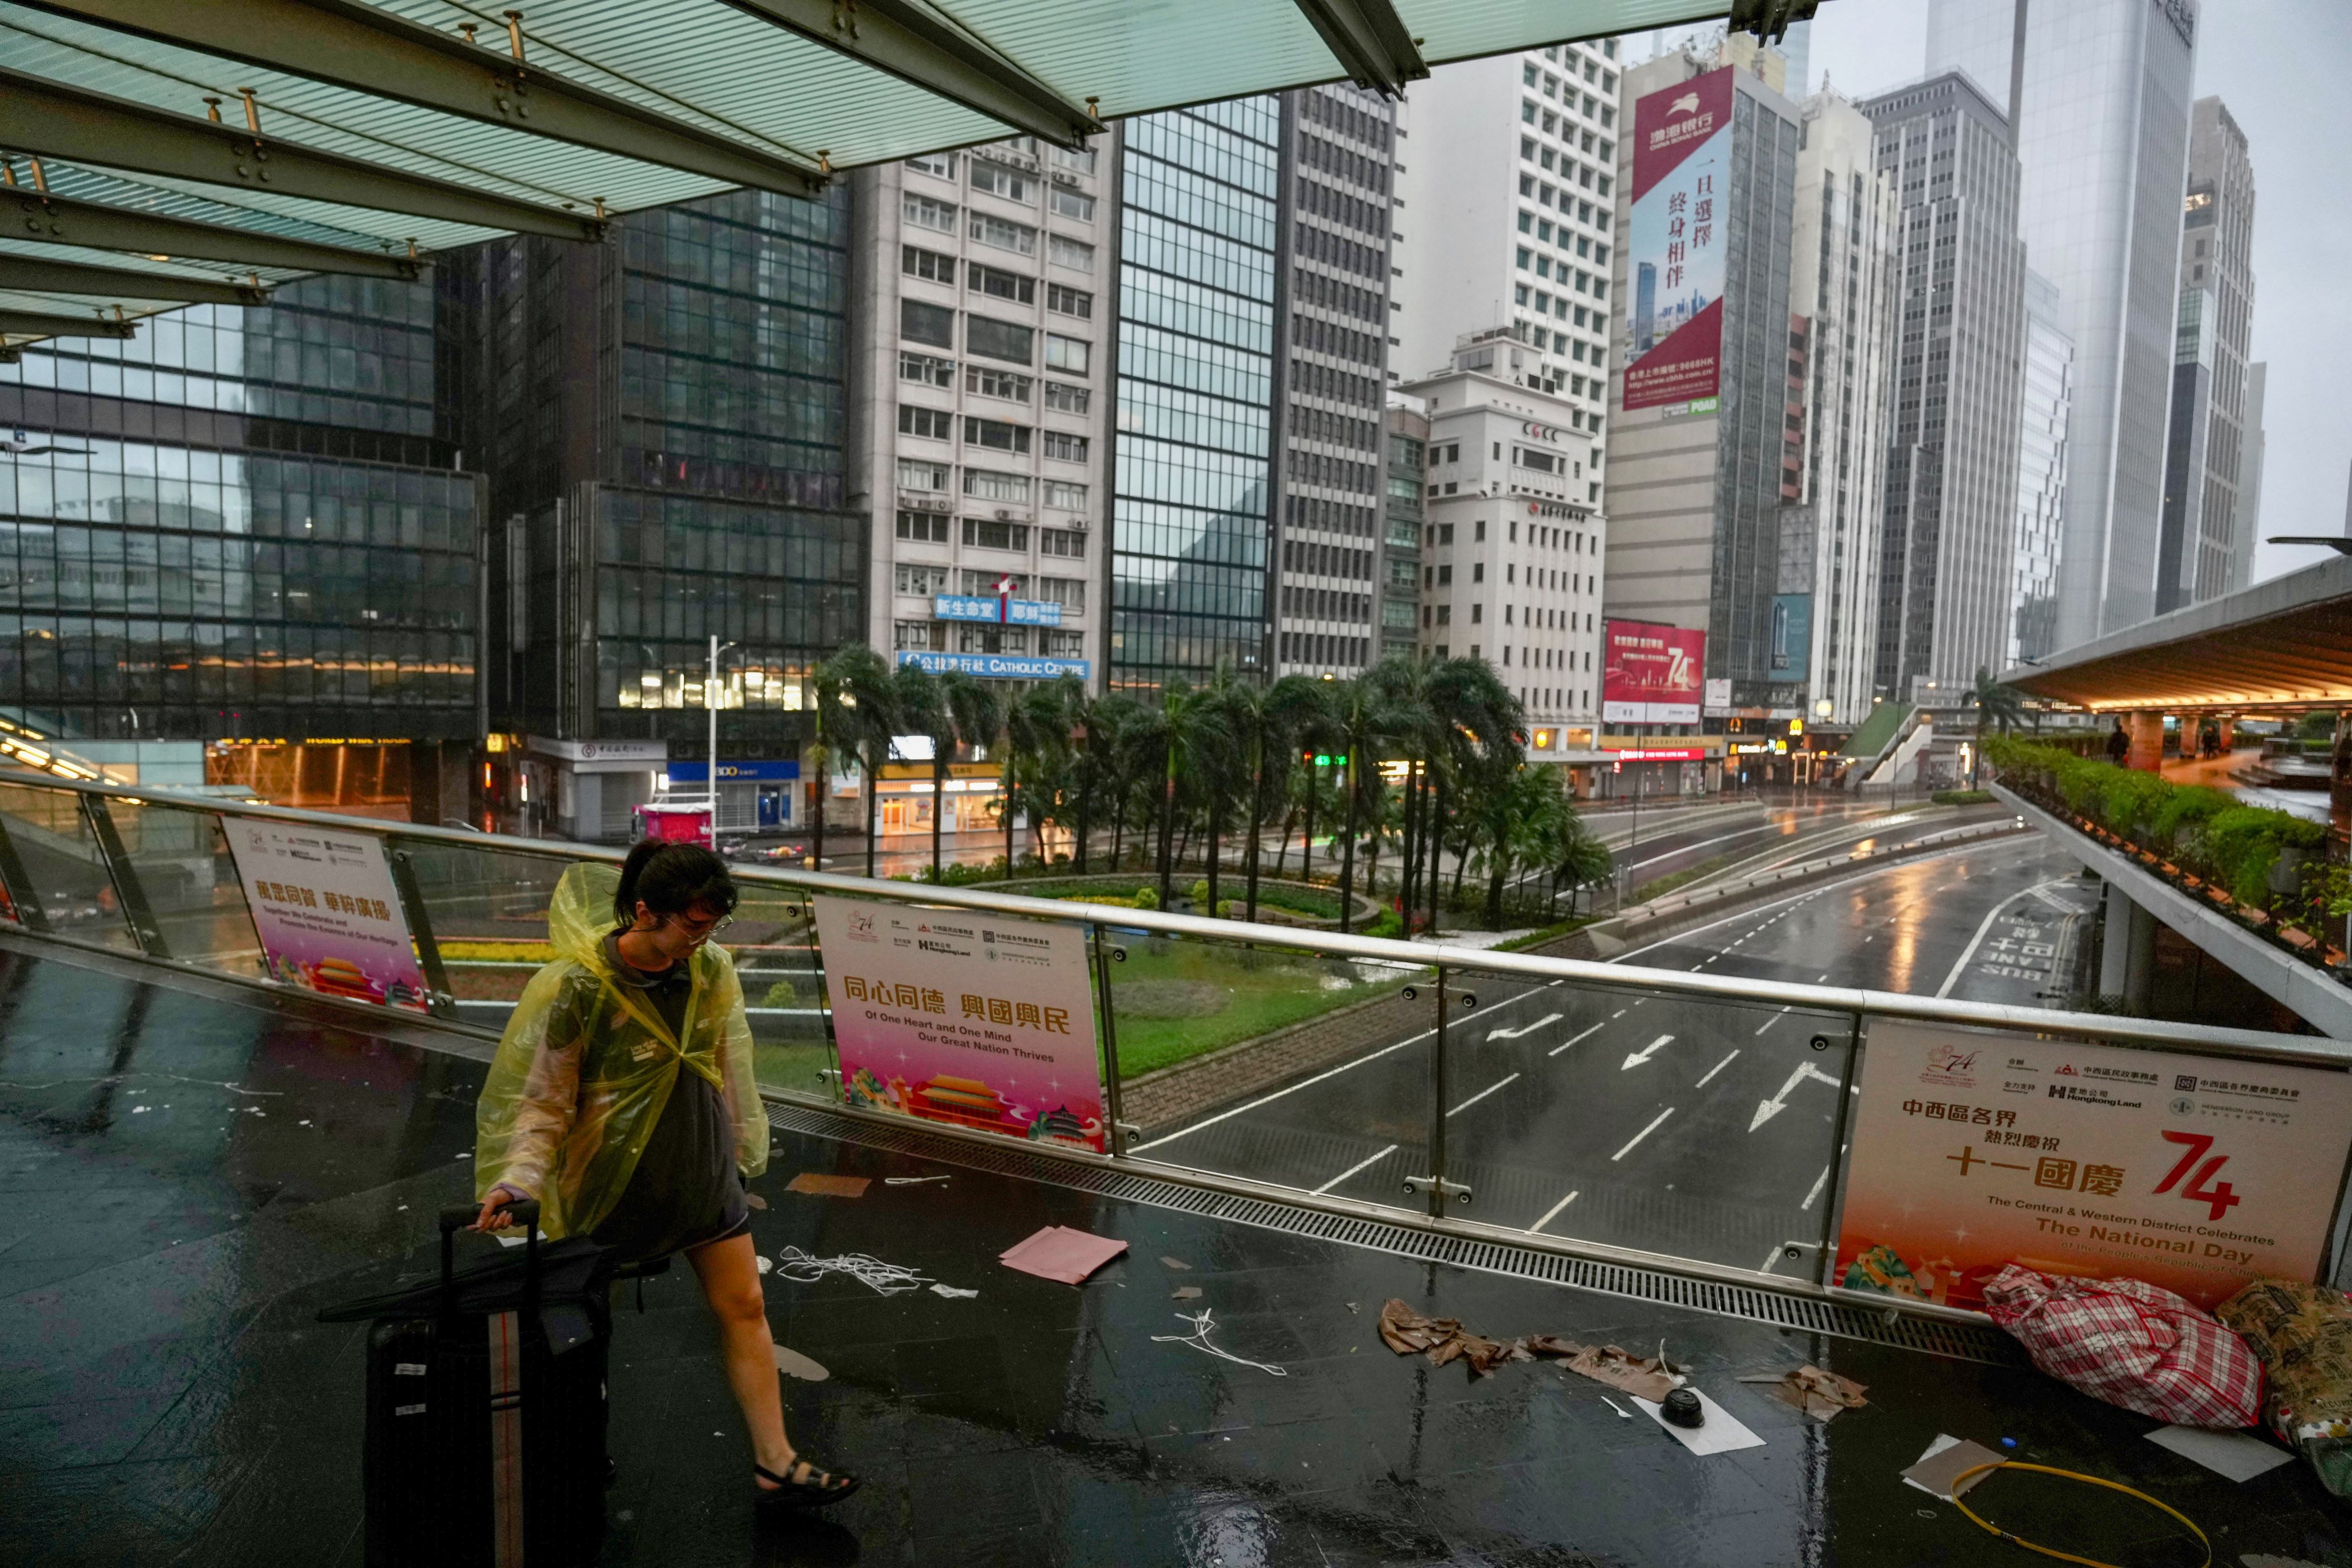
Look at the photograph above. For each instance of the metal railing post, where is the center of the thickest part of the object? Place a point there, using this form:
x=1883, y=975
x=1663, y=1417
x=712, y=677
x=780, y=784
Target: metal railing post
x=24, y=897
x=1113, y=1111
x=1833, y=1184
x=438, y=997
x=129, y=896
x=1437, y=1188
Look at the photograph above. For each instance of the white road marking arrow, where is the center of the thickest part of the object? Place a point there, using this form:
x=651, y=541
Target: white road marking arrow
x=1529, y=1029
x=1767, y=1109
x=1646, y=1052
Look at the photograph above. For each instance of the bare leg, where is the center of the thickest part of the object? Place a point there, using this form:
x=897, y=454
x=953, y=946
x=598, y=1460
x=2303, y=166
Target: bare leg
x=730, y=1272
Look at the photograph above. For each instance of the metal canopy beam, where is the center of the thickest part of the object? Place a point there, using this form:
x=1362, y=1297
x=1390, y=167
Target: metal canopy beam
x=916, y=46
x=1370, y=42
x=39, y=275
x=369, y=50
x=43, y=324
x=62, y=220
x=46, y=117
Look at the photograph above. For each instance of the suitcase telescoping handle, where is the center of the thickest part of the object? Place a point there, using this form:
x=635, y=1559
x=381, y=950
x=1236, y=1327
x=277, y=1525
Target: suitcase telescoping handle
x=455, y=1218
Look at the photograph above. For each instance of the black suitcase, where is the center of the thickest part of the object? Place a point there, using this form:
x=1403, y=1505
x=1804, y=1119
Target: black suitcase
x=485, y=1407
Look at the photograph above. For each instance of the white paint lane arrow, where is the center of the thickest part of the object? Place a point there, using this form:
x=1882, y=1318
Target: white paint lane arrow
x=1529, y=1029
x=1646, y=1052
x=1767, y=1109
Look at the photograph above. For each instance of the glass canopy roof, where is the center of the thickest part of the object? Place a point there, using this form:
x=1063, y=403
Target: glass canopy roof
x=444, y=123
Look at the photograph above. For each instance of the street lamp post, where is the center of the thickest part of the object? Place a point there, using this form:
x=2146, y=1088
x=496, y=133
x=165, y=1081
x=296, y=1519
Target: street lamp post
x=710, y=705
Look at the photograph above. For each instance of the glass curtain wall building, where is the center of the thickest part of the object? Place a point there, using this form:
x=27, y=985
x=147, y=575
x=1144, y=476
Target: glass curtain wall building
x=247, y=525
x=662, y=418
x=1200, y=190
x=2048, y=397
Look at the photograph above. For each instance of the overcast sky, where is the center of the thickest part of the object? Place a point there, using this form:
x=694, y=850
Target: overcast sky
x=2279, y=67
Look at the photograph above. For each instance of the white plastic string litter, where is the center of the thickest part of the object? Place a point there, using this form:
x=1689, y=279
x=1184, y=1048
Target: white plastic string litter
x=883, y=1279
x=1204, y=1323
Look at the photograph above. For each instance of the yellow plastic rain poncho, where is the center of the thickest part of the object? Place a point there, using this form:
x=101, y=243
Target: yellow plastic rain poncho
x=586, y=1066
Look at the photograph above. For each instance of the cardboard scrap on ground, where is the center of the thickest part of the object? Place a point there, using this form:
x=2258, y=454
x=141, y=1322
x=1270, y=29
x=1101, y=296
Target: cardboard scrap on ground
x=826, y=1187
x=1445, y=1340
x=792, y=1363
x=2239, y=1456
x=1820, y=1394
x=1184, y=1293
x=755, y=1200
x=1057, y=1252
x=1947, y=1458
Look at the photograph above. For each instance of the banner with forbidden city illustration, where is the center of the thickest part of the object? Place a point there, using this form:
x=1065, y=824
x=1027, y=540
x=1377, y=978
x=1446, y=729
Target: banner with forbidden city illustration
x=1974, y=1149
x=978, y=1020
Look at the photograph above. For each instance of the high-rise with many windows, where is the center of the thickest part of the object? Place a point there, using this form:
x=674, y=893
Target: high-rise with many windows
x=980, y=404
x=1193, y=484
x=2205, y=452
x=2046, y=406
x=1507, y=171
x=1333, y=274
x=1946, y=579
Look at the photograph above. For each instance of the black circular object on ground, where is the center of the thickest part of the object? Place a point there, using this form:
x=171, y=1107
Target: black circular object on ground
x=1682, y=1408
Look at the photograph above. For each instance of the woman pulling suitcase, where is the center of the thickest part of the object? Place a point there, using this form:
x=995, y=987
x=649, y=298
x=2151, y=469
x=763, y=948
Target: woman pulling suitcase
x=622, y=1099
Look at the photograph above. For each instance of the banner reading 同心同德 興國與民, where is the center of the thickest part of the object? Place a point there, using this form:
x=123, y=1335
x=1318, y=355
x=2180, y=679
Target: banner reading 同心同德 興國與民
x=325, y=909
x=978, y=1020
x=1973, y=1150
x=1675, y=244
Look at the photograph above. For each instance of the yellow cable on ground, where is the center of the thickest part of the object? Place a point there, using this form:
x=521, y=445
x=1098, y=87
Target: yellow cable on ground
x=2073, y=1475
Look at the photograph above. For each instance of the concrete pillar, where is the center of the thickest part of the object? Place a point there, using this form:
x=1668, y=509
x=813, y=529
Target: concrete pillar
x=2228, y=735
x=2147, y=732
x=2127, y=952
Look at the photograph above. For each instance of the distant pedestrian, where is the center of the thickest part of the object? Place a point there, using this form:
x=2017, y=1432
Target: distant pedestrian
x=2118, y=744
x=622, y=1098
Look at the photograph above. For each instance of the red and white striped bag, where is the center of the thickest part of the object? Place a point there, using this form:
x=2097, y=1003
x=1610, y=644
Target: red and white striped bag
x=2132, y=1345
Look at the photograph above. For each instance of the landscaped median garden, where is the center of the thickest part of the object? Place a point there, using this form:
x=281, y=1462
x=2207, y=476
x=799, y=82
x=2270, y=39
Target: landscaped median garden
x=2268, y=870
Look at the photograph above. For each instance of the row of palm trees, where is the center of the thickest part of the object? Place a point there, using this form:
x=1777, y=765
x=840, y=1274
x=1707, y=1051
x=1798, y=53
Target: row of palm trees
x=1425, y=758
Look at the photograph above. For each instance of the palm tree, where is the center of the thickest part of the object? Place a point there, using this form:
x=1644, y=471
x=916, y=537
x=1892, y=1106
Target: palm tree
x=1995, y=704
x=965, y=712
x=1261, y=720
x=1038, y=726
x=869, y=695
x=1181, y=731
x=1522, y=816
x=1583, y=860
x=922, y=710
x=833, y=714
x=1363, y=712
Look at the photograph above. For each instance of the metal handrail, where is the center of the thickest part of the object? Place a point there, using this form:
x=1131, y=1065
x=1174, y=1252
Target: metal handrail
x=2108, y=1028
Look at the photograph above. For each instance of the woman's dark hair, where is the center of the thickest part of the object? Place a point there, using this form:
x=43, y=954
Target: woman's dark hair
x=671, y=878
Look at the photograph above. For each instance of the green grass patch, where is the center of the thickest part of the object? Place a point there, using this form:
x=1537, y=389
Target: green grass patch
x=792, y=1066
x=507, y=951
x=1664, y=885
x=1962, y=797
x=1190, y=998
x=1552, y=932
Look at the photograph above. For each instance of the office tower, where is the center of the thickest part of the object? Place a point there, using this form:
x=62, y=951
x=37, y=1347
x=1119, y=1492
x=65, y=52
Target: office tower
x=2249, y=531
x=1407, y=421
x=980, y=406
x=1796, y=46
x=246, y=533
x=1512, y=546
x=1199, y=221
x=2046, y=403
x=661, y=417
x=1332, y=277
x=1506, y=174
x=1706, y=432
x=2102, y=140
x=1841, y=287
x=2204, y=452
x=1946, y=572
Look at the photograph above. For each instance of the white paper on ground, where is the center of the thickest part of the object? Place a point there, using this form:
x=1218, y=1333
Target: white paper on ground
x=1720, y=1434
x=952, y=1293
x=792, y=1363
x=2239, y=1456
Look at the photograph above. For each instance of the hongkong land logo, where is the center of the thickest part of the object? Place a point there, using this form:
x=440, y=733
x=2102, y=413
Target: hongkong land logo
x=1950, y=1066
x=2184, y=1082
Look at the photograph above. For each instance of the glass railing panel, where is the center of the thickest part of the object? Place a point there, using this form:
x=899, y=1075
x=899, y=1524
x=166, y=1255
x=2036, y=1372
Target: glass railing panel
x=488, y=913
x=62, y=862
x=1691, y=1126
x=1272, y=1063
x=181, y=860
x=774, y=948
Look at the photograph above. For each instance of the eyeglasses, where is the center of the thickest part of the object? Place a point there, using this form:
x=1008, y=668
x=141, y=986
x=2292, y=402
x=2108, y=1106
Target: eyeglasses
x=699, y=933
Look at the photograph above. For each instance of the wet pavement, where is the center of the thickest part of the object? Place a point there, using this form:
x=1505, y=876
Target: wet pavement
x=185, y=1179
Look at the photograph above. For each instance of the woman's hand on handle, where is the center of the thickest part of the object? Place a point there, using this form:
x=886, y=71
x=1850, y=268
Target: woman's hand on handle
x=493, y=1217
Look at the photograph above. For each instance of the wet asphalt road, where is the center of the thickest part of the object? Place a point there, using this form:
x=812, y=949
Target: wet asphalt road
x=1695, y=1127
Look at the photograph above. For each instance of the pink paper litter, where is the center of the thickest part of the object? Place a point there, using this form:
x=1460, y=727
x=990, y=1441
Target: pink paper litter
x=1057, y=1252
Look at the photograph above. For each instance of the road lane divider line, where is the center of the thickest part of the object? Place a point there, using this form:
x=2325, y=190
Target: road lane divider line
x=1481, y=1095
x=1644, y=1132
x=1526, y=1029
x=1715, y=1070
x=1352, y=1170
x=1636, y=1059
x=1565, y=1044
x=1279, y=1093
x=1819, y=1182
x=1551, y=1214
x=1772, y=1020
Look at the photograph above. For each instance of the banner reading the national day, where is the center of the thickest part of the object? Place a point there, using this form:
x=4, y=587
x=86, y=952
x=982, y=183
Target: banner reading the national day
x=1675, y=245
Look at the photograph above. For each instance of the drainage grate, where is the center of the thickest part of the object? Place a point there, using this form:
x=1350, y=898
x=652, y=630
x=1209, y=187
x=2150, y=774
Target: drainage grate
x=1961, y=1341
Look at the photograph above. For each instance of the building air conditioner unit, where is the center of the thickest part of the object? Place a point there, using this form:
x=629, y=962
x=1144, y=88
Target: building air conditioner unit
x=1002, y=513
x=1078, y=525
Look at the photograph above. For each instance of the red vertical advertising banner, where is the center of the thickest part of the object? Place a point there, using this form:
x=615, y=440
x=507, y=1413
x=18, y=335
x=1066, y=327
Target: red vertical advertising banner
x=1675, y=243
x=1649, y=673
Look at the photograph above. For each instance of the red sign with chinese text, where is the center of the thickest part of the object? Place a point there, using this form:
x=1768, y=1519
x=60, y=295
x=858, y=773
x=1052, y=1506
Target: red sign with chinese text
x=1651, y=673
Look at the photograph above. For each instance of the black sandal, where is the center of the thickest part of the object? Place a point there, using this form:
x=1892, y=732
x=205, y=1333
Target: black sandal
x=806, y=1487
